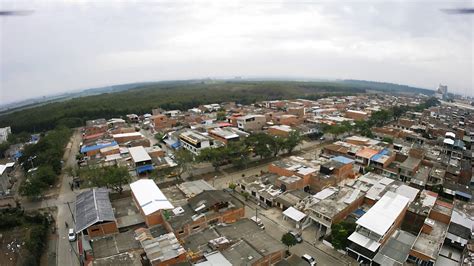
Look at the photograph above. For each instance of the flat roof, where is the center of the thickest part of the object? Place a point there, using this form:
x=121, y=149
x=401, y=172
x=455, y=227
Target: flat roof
x=139, y=154
x=294, y=214
x=149, y=196
x=130, y=134
x=381, y=216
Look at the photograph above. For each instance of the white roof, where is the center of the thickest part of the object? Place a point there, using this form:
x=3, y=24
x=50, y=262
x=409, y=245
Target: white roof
x=2, y=168
x=149, y=196
x=450, y=134
x=139, y=154
x=364, y=241
x=294, y=214
x=324, y=193
x=382, y=215
x=112, y=157
x=11, y=164
x=214, y=259
x=408, y=192
x=448, y=141
x=130, y=134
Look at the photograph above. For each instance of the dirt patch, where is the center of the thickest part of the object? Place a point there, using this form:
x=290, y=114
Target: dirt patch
x=12, y=245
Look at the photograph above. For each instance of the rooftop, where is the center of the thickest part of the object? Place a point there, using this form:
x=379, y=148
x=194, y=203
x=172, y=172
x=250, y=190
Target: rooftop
x=93, y=206
x=381, y=216
x=159, y=249
x=149, y=196
x=396, y=250
x=139, y=154
x=430, y=244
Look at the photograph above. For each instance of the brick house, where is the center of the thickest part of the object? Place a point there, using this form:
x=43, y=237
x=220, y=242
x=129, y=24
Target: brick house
x=94, y=214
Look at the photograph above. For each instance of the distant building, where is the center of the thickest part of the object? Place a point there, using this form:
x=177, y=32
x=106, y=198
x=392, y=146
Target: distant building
x=4, y=132
x=442, y=92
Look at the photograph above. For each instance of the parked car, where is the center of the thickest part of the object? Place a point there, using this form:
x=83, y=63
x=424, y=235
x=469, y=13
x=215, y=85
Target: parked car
x=71, y=235
x=297, y=236
x=309, y=259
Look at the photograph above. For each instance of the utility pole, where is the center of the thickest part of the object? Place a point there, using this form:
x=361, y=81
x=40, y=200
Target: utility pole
x=72, y=215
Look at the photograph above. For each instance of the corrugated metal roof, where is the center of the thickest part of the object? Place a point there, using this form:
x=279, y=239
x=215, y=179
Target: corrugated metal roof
x=93, y=206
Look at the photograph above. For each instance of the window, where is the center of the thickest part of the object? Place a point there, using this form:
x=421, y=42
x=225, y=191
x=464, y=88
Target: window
x=196, y=227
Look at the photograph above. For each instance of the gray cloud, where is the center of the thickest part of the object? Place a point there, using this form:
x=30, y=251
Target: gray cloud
x=70, y=45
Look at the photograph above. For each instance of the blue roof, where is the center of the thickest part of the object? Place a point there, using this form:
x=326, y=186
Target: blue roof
x=359, y=212
x=144, y=168
x=17, y=154
x=380, y=154
x=463, y=194
x=97, y=146
x=342, y=159
x=176, y=145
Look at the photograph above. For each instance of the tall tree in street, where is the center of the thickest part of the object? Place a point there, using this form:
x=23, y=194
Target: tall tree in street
x=288, y=240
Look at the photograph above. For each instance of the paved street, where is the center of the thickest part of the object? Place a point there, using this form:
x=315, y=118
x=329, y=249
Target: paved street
x=276, y=228
x=66, y=251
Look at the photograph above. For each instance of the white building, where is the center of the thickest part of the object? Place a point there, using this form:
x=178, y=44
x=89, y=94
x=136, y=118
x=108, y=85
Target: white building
x=194, y=141
x=4, y=132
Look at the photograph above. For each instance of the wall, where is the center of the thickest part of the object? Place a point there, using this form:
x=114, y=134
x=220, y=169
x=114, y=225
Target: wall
x=102, y=229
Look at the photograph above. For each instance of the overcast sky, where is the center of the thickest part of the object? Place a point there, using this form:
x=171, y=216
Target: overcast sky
x=70, y=45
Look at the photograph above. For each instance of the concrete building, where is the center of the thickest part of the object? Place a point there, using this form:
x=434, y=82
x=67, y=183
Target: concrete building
x=251, y=123
x=208, y=208
x=333, y=205
x=161, y=121
x=194, y=141
x=227, y=134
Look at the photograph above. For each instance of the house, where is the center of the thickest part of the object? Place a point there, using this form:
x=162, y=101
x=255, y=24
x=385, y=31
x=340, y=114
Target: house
x=150, y=201
x=164, y=250
x=91, y=150
x=161, y=121
x=332, y=205
x=141, y=159
x=122, y=138
x=429, y=241
x=376, y=226
x=194, y=141
x=251, y=123
x=461, y=225
x=408, y=168
x=5, y=179
x=210, y=207
x=356, y=115
x=294, y=166
x=227, y=134
x=363, y=156
x=94, y=213
x=280, y=130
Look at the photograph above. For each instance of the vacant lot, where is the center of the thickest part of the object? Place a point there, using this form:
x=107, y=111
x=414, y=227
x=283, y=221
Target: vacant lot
x=12, y=245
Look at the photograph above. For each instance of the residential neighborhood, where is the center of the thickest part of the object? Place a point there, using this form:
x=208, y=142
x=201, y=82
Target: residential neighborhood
x=355, y=179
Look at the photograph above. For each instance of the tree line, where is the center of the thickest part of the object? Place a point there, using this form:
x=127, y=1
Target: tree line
x=46, y=157
x=169, y=96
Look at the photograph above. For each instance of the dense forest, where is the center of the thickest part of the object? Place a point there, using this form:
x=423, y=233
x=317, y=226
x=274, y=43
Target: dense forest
x=170, y=95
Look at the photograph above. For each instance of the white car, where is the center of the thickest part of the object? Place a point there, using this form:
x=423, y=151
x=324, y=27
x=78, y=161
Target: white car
x=71, y=235
x=309, y=259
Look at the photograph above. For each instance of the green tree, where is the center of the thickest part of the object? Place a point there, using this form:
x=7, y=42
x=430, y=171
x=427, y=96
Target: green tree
x=159, y=136
x=221, y=116
x=294, y=139
x=216, y=156
x=232, y=186
x=261, y=144
x=340, y=232
x=115, y=177
x=32, y=188
x=387, y=139
x=184, y=160
x=288, y=240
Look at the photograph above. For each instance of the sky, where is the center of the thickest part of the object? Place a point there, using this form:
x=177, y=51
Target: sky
x=63, y=46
